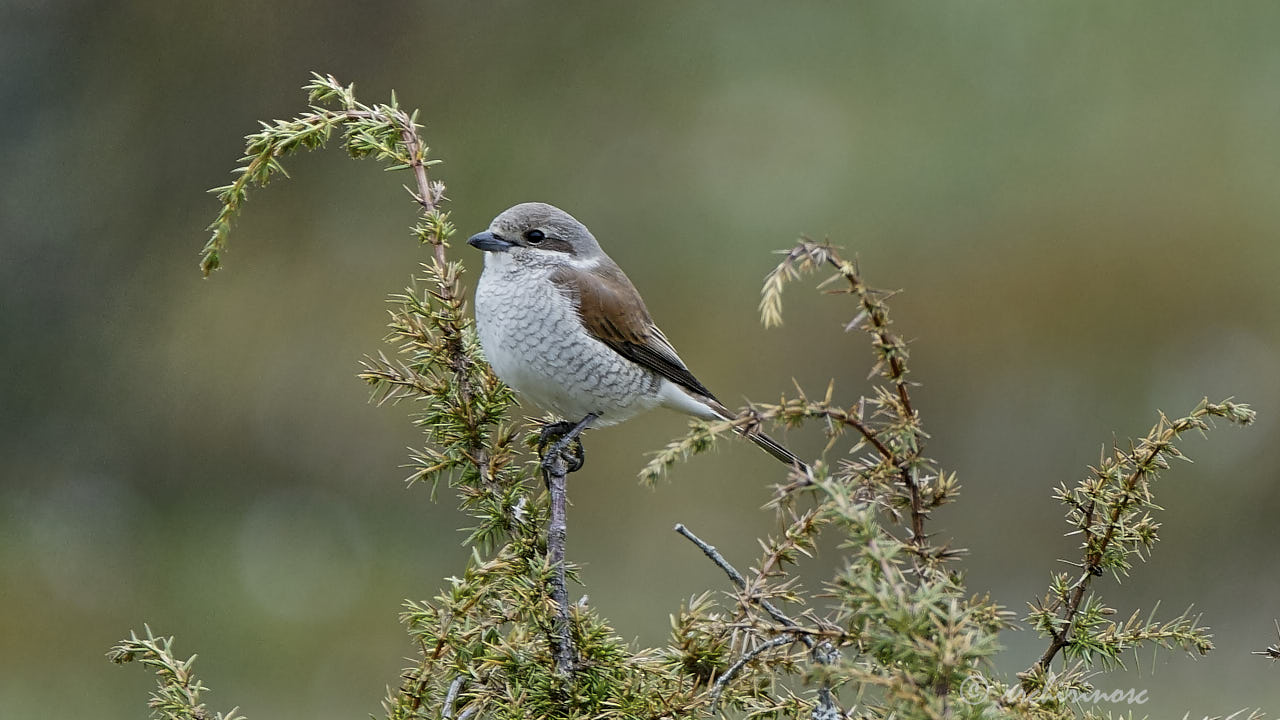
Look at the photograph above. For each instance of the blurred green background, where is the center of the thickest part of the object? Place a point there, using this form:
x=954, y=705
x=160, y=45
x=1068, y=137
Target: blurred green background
x=1081, y=202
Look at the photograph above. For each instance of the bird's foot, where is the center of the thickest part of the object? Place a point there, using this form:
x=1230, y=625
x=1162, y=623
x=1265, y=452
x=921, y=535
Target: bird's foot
x=556, y=435
x=566, y=443
x=552, y=431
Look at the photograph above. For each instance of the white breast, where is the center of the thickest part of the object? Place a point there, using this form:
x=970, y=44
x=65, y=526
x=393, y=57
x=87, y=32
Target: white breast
x=534, y=339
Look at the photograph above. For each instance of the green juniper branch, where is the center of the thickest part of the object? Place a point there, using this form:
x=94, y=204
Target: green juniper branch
x=177, y=695
x=899, y=440
x=384, y=131
x=1112, y=509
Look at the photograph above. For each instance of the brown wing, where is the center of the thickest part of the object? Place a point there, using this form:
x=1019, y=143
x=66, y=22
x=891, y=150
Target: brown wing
x=613, y=313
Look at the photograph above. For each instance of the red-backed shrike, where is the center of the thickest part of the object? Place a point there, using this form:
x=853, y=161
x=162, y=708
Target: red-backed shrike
x=561, y=323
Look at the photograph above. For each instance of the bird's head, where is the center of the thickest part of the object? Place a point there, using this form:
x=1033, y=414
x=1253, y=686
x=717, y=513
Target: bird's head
x=538, y=234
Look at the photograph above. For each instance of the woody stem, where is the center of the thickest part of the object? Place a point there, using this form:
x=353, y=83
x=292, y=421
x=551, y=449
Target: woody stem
x=555, y=470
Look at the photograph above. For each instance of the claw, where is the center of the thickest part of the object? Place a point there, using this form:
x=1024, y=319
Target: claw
x=567, y=446
x=551, y=431
x=575, y=456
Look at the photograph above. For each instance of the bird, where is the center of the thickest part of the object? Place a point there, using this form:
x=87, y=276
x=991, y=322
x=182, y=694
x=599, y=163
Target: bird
x=561, y=323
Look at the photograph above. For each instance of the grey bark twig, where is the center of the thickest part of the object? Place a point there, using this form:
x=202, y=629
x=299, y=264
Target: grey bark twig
x=740, y=581
x=555, y=471
x=451, y=698
x=823, y=653
x=723, y=681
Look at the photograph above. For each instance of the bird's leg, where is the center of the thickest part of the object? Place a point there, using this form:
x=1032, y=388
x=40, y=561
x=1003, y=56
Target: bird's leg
x=567, y=434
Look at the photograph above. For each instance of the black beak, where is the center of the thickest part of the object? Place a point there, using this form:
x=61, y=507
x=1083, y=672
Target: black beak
x=489, y=242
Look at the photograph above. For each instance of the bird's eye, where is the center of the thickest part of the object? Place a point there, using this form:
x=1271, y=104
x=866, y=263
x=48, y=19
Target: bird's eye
x=535, y=237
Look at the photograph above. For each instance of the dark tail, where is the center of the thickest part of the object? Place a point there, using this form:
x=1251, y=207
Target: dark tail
x=766, y=443
x=774, y=448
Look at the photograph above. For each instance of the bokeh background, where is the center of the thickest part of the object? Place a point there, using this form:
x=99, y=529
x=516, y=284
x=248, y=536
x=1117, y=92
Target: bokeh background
x=1081, y=202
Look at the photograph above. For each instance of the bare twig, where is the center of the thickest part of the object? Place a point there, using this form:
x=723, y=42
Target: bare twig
x=723, y=681
x=446, y=712
x=740, y=581
x=555, y=470
x=826, y=707
x=562, y=650
x=823, y=652
x=711, y=552
x=1271, y=651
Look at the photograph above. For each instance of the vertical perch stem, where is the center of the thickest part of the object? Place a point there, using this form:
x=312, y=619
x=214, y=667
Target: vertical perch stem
x=555, y=470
